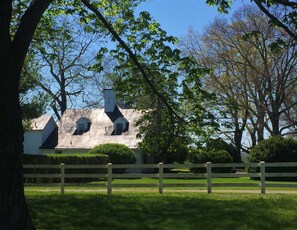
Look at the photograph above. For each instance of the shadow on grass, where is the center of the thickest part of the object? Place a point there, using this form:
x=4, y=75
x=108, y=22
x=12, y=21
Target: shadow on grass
x=170, y=211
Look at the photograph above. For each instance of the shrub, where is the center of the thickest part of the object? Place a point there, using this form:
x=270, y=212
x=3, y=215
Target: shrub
x=213, y=156
x=117, y=153
x=68, y=159
x=275, y=149
x=177, y=154
x=80, y=158
x=220, y=144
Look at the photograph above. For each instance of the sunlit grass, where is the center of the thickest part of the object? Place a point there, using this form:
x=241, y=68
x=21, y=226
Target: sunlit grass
x=167, y=211
x=139, y=183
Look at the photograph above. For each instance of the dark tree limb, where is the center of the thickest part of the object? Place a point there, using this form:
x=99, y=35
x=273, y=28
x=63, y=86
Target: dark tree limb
x=133, y=57
x=26, y=29
x=273, y=18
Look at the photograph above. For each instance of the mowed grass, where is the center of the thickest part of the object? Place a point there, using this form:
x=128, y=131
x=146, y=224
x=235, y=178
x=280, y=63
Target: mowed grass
x=167, y=211
x=138, y=184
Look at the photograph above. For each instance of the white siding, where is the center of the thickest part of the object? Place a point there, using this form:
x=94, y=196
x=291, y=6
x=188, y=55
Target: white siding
x=69, y=151
x=47, y=151
x=33, y=139
x=32, y=142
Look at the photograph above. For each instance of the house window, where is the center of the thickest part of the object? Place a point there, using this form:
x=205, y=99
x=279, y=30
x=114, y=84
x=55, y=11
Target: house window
x=82, y=125
x=119, y=129
x=81, y=128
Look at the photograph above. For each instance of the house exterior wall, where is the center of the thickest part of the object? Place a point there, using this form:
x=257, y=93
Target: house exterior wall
x=139, y=156
x=48, y=129
x=47, y=151
x=32, y=141
x=69, y=151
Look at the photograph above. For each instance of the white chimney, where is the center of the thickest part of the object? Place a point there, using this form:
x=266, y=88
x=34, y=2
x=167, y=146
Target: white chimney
x=109, y=100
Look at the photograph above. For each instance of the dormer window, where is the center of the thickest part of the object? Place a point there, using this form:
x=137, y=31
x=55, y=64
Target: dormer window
x=81, y=128
x=119, y=129
x=83, y=125
x=120, y=126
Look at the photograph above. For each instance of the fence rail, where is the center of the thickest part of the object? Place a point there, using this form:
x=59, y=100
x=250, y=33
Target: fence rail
x=209, y=175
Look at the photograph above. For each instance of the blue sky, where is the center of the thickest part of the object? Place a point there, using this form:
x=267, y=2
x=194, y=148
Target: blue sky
x=176, y=16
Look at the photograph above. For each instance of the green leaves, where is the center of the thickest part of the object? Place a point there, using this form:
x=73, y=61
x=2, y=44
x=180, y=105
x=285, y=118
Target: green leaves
x=223, y=5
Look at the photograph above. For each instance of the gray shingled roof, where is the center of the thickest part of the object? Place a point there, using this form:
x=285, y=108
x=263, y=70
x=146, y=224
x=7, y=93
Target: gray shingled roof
x=100, y=129
x=40, y=122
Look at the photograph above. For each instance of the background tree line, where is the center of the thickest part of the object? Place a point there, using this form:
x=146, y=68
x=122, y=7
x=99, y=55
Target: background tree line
x=254, y=81
x=19, y=23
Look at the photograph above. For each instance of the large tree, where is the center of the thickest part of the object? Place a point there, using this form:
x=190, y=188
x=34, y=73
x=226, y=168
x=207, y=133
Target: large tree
x=252, y=79
x=16, y=34
x=62, y=47
x=33, y=104
x=282, y=13
x=13, y=49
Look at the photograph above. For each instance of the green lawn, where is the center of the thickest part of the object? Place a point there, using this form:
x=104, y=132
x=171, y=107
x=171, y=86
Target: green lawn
x=167, y=211
x=137, y=183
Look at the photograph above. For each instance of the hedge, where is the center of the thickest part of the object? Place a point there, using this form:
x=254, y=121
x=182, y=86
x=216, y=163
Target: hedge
x=275, y=149
x=70, y=159
x=201, y=156
x=117, y=153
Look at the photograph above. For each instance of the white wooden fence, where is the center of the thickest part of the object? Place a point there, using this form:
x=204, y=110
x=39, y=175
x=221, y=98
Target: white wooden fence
x=209, y=175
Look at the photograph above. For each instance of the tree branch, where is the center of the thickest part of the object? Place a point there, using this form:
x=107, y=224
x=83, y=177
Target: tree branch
x=273, y=18
x=5, y=19
x=133, y=57
x=26, y=29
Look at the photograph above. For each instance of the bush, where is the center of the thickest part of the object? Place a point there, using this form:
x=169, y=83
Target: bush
x=220, y=144
x=117, y=153
x=178, y=154
x=275, y=149
x=68, y=159
x=213, y=156
x=57, y=158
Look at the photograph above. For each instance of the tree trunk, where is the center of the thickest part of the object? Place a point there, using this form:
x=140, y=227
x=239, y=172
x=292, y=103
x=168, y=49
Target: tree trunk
x=275, y=124
x=237, y=141
x=260, y=125
x=13, y=209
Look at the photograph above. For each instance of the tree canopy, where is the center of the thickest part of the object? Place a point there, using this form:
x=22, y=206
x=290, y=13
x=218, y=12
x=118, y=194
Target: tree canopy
x=18, y=23
x=281, y=13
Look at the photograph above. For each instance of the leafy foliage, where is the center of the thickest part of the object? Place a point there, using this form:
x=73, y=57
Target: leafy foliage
x=199, y=156
x=243, y=66
x=79, y=158
x=70, y=159
x=275, y=149
x=162, y=132
x=220, y=144
x=281, y=13
x=33, y=103
x=117, y=153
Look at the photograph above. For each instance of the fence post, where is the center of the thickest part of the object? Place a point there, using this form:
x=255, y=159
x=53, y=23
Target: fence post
x=62, y=166
x=262, y=171
x=208, y=172
x=161, y=178
x=109, y=178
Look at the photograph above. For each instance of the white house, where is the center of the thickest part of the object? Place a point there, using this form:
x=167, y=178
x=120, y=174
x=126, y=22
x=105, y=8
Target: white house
x=41, y=128
x=80, y=130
